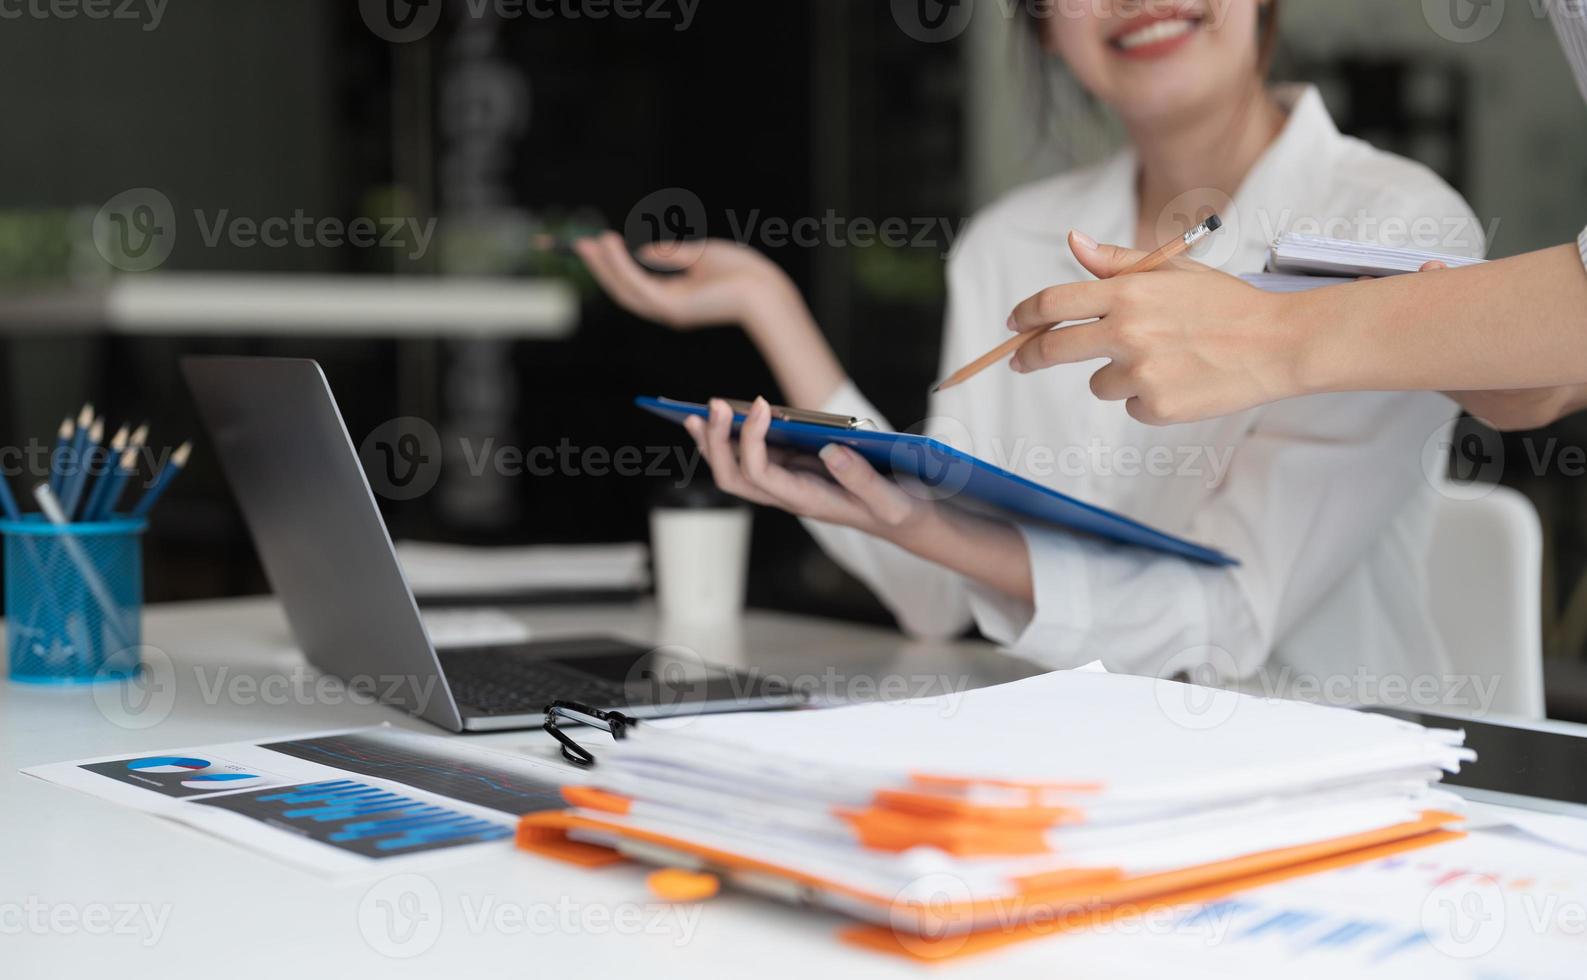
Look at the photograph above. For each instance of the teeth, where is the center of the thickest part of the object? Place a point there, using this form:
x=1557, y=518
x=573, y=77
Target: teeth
x=1162, y=30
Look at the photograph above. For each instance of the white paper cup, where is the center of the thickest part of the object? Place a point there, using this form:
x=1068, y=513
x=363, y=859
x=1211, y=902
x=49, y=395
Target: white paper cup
x=701, y=556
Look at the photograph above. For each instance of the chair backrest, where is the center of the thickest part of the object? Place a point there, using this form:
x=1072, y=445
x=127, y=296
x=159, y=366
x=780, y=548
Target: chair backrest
x=1485, y=590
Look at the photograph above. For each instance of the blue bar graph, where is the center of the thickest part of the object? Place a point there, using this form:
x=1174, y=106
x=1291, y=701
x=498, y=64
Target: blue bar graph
x=360, y=818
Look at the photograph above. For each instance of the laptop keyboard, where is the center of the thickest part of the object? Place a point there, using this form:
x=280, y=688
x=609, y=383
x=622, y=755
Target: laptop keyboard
x=494, y=682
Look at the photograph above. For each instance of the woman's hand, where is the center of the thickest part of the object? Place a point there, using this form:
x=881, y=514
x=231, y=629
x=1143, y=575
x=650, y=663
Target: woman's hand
x=860, y=498
x=1184, y=343
x=716, y=282
x=851, y=493
x=719, y=283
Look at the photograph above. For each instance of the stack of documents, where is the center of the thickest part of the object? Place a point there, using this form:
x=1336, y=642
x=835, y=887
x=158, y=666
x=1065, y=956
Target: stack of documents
x=990, y=809
x=1308, y=255
x=1297, y=263
x=448, y=571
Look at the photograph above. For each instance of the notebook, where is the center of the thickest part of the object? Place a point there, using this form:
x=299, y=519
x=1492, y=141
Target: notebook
x=949, y=474
x=1310, y=255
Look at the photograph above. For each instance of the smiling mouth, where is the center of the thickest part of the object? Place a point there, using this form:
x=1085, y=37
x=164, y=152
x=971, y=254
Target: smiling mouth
x=1154, y=35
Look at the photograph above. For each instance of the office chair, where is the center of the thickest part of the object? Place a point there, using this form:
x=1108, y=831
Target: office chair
x=1485, y=590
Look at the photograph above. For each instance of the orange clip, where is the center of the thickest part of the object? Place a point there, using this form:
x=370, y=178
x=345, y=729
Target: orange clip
x=678, y=885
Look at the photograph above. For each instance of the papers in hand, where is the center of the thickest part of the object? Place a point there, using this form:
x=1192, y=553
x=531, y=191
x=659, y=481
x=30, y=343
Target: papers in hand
x=451, y=571
x=1299, y=263
x=1313, y=256
x=1071, y=787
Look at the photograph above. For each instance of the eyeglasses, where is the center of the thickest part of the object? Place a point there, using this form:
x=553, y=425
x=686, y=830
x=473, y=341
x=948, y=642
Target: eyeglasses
x=614, y=722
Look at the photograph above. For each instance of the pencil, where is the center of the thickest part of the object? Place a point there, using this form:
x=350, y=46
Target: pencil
x=123, y=476
x=63, y=439
x=8, y=501
x=117, y=484
x=1172, y=250
x=107, y=476
x=85, y=565
x=77, y=482
x=168, y=473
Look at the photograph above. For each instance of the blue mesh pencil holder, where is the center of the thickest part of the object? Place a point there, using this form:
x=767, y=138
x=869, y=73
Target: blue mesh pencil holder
x=74, y=599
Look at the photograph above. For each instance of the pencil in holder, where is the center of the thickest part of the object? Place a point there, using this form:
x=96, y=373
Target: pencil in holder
x=73, y=599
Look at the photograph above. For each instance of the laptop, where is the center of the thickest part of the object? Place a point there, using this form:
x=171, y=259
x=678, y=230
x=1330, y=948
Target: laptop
x=314, y=521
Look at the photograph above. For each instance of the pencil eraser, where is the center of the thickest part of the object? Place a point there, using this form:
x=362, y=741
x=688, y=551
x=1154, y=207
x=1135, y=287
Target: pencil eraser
x=1214, y=223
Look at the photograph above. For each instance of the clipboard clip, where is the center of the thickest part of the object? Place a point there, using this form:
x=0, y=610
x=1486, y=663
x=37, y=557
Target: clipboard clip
x=804, y=415
x=615, y=723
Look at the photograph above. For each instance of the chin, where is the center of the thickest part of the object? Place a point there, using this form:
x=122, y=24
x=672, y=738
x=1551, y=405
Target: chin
x=1171, y=95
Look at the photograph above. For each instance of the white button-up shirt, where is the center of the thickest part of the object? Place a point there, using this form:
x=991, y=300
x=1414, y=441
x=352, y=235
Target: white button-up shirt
x=1323, y=499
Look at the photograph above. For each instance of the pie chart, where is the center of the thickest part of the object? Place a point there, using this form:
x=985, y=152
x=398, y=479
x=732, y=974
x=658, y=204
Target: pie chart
x=167, y=763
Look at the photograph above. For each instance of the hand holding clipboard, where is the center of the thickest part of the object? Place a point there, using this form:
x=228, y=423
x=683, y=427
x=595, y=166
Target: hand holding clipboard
x=945, y=474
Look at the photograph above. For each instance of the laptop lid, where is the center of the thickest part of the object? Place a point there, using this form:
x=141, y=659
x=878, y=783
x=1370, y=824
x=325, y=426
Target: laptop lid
x=296, y=475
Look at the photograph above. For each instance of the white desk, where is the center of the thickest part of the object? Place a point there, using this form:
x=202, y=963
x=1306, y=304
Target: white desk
x=217, y=908
x=239, y=914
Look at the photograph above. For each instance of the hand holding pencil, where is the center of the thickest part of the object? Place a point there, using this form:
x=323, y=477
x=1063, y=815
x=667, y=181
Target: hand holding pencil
x=1013, y=345
x=1182, y=344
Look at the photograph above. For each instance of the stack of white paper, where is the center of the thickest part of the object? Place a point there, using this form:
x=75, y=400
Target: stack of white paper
x=1312, y=256
x=1069, y=787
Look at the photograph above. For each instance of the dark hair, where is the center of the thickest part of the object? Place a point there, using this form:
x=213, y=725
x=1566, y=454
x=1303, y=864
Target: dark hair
x=1267, y=27
x=1267, y=30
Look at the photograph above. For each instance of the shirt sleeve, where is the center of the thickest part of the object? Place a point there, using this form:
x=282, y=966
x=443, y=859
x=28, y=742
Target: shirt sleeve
x=1315, y=484
x=1570, y=22
x=927, y=600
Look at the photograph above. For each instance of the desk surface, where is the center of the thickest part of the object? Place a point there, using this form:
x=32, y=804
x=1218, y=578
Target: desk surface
x=91, y=889
x=235, y=674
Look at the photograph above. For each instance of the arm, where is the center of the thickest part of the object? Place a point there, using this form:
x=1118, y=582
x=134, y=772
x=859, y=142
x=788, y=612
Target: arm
x=1514, y=323
x=1192, y=343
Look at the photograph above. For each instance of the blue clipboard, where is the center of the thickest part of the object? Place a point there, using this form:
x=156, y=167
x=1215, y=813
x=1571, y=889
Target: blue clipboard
x=959, y=478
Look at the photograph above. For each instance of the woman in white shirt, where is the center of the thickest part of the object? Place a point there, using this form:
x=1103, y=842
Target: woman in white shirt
x=1323, y=500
